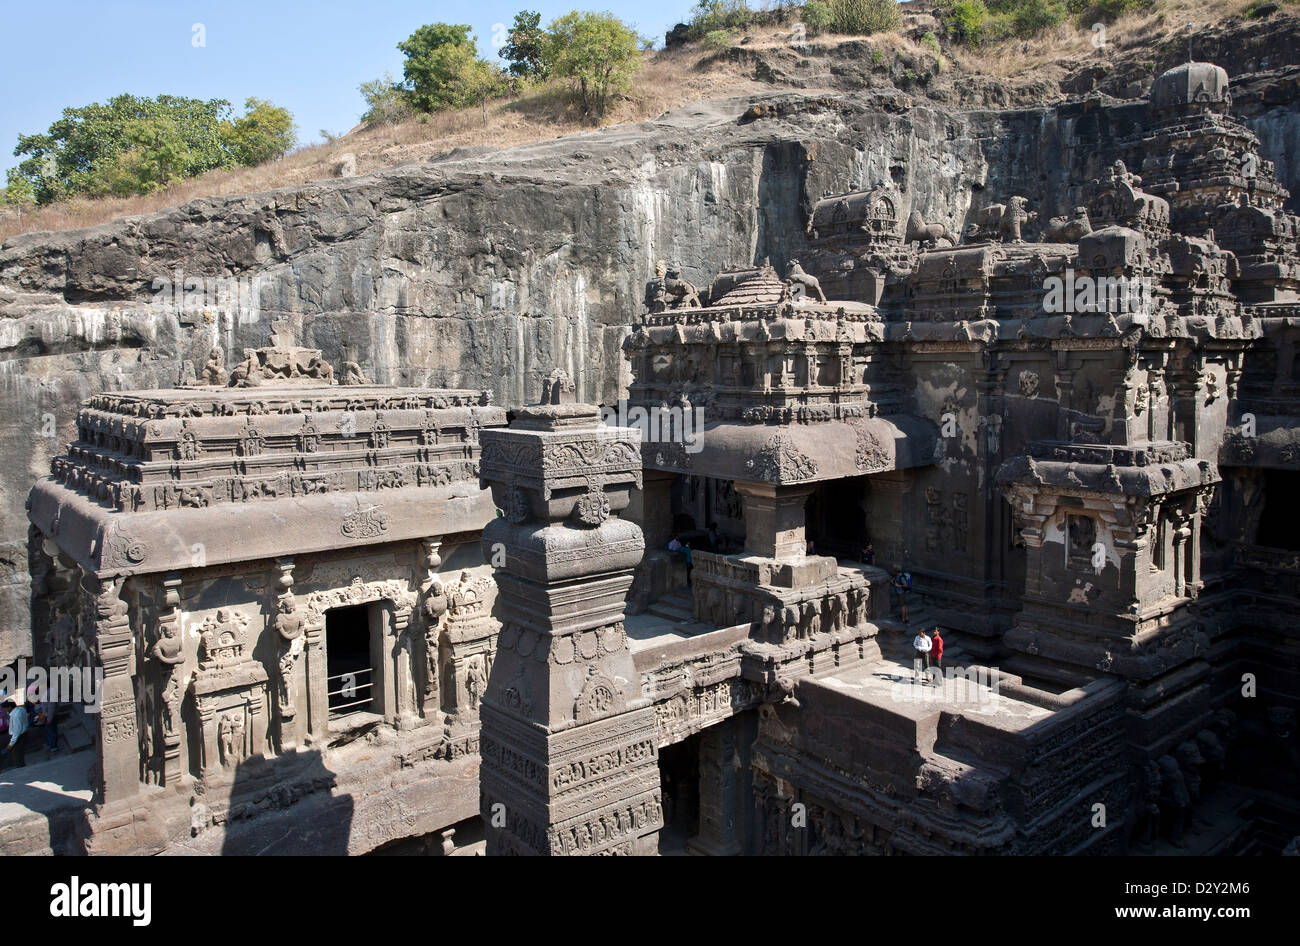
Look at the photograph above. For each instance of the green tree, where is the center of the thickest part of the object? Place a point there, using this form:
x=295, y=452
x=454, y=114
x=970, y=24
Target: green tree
x=18, y=191
x=967, y=21
x=597, y=53
x=443, y=69
x=386, y=102
x=264, y=132
x=713, y=15
x=817, y=16
x=525, y=48
x=80, y=151
x=133, y=145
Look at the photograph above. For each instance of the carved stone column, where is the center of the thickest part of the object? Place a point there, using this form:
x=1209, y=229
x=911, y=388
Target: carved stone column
x=774, y=519
x=169, y=652
x=116, y=739
x=317, y=684
x=886, y=525
x=404, y=713
x=570, y=764
x=290, y=623
x=719, y=808
x=433, y=605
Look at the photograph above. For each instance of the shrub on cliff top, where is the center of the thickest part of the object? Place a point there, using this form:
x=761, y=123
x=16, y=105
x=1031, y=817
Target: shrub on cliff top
x=710, y=16
x=966, y=21
x=816, y=16
x=597, y=53
x=133, y=145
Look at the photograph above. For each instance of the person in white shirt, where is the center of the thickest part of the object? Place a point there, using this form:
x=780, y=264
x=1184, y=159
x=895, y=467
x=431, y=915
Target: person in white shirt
x=921, y=665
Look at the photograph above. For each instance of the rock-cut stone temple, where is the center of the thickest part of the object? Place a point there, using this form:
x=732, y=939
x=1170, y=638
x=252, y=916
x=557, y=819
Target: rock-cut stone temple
x=337, y=616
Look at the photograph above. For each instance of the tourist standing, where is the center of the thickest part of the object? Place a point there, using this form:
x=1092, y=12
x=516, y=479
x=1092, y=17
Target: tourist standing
x=921, y=665
x=17, y=728
x=45, y=711
x=936, y=650
x=902, y=583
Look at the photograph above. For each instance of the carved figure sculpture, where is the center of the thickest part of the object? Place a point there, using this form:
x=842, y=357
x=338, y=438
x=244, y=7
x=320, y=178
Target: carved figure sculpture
x=214, y=372
x=810, y=284
x=1003, y=221
x=918, y=231
x=352, y=374
x=231, y=735
x=679, y=293
x=1070, y=228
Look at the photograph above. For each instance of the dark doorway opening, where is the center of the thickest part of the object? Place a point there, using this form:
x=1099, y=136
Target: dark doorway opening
x=835, y=518
x=679, y=779
x=350, y=673
x=1277, y=526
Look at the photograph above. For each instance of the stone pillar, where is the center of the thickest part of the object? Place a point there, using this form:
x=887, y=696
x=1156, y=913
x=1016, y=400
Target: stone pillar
x=318, y=723
x=404, y=714
x=433, y=605
x=774, y=519
x=719, y=808
x=116, y=738
x=289, y=624
x=569, y=759
x=886, y=526
x=170, y=656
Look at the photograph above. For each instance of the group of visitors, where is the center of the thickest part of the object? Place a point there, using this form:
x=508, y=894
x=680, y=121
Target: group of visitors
x=928, y=645
x=678, y=547
x=929, y=650
x=17, y=717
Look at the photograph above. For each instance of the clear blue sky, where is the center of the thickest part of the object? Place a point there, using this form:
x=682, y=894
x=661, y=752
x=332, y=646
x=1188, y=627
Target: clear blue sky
x=306, y=56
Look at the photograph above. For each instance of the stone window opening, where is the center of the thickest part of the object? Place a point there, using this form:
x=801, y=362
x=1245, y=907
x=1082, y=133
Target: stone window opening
x=1081, y=533
x=354, y=689
x=1277, y=524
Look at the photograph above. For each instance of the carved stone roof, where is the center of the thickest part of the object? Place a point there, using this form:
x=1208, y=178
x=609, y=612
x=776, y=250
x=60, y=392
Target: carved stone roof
x=757, y=287
x=1074, y=468
x=802, y=453
x=878, y=209
x=241, y=473
x=1191, y=84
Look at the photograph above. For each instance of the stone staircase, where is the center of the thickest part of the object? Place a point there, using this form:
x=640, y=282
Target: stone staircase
x=675, y=607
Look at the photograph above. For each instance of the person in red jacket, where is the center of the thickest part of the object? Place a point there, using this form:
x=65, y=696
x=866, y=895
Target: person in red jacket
x=936, y=650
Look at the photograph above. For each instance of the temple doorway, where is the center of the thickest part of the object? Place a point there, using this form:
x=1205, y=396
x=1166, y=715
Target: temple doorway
x=679, y=779
x=835, y=518
x=1277, y=526
x=349, y=659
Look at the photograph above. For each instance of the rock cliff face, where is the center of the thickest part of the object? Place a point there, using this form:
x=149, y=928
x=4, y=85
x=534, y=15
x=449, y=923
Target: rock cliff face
x=489, y=269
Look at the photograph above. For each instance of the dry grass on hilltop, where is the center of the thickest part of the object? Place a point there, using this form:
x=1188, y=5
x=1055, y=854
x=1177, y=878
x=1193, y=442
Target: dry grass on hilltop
x=668, y=80
x=1053, y=48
